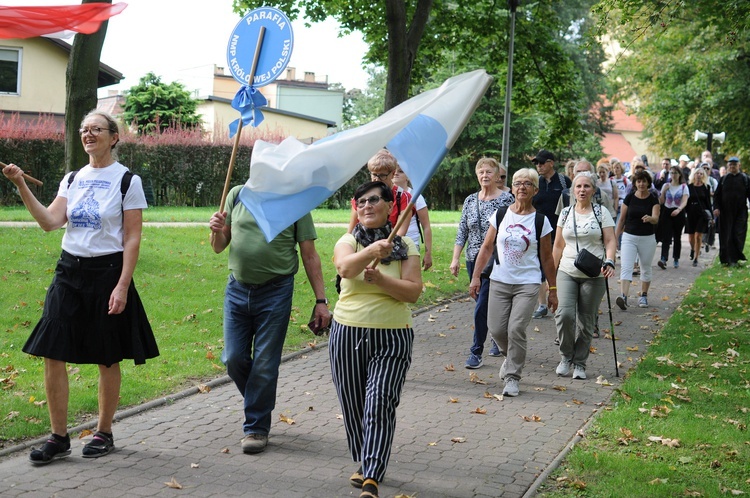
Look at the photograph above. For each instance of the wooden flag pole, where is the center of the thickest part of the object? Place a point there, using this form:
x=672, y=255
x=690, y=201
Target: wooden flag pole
x=235, y=147
x=28, y=178
x=399, y=223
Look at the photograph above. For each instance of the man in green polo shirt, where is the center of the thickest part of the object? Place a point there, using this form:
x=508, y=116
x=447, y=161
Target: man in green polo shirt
x=257, y=306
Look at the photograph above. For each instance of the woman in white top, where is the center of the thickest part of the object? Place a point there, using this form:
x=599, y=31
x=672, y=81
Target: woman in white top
x=421, y=218
x=583, y=224
x=92, y=311
x=516, y=275
x=673, y=198
x=606, y=184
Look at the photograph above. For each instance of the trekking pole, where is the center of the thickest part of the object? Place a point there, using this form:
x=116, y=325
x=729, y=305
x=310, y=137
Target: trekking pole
x=611, y=325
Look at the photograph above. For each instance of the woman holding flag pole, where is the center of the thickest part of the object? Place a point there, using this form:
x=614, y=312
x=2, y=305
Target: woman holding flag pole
x=371, y=334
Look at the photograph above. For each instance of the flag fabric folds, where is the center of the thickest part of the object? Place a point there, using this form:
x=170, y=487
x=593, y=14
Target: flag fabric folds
x=290, y=179
x=29, y=22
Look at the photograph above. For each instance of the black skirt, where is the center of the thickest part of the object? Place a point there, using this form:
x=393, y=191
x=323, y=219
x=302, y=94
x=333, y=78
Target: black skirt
x=75, y=326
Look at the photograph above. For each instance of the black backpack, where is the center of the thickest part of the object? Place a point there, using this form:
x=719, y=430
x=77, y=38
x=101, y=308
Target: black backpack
x=499, y=215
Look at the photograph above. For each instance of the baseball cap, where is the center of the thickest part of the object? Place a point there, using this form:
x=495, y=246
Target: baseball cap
x=733, y=159
x=543, y=156
x=685, y=158
x=674, y=162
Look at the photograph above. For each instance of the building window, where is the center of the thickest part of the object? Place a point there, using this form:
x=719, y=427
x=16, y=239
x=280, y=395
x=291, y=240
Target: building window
x=10, y=70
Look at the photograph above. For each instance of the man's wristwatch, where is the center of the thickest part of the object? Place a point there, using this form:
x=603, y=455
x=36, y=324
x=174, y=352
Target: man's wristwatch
x=322, y=301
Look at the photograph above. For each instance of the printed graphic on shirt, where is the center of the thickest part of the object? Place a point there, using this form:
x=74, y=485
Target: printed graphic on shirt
x=86, y=214
x=673, y=196
x=516, y=243
x=583, y=226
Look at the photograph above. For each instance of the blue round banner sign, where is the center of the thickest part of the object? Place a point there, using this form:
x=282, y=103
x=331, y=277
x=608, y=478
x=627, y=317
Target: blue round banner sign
x=275, y=51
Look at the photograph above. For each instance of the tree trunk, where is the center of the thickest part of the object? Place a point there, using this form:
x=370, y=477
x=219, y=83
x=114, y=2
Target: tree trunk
x=403, y=43
x=81, y=79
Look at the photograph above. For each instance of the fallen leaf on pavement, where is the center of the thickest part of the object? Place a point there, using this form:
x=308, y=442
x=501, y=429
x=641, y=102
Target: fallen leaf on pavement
x=473, y=377
x=601, y=380
x=286, y=419
x=531, y=418
x=458, y=439
x=479, y=411
x=173, y=484
x=450, y=368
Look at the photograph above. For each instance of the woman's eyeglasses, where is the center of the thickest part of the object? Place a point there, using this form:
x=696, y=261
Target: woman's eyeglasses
x=503, y=177
x=380, y=177
x=93, y=131
x=373, y=200
x=523, y=184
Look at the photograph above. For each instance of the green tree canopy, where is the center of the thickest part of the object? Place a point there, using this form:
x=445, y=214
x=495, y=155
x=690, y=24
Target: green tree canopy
x=686, y=67
x=153, y=106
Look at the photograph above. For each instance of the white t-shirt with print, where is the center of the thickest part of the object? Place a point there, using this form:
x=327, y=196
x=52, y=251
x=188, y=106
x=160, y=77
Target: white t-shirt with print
x=517, y=249
x=589, y=237
x=95, y=206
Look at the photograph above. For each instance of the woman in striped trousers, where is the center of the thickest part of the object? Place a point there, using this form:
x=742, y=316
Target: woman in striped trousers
x=371, y=334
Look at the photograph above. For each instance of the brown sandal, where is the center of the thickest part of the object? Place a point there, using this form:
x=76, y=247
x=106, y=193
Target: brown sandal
x=369, y=489
x=357, y=479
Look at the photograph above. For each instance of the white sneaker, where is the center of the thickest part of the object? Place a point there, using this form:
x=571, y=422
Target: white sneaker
x=511, y=387
x=563, y=368
x=501, y=375
x=579, y=372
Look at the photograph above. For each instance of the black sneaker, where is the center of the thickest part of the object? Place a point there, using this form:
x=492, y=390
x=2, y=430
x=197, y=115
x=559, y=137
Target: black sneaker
x=55, y=448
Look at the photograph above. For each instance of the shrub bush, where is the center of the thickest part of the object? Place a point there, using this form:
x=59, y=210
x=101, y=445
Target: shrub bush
x=179, y=167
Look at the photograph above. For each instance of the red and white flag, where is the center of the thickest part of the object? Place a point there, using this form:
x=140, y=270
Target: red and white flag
x=29, y=22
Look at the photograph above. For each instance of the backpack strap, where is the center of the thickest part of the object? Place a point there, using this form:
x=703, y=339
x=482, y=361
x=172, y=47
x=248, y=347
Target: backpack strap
x=499, y=215
x=71, y=177
x=125, y=183
x=539, y=224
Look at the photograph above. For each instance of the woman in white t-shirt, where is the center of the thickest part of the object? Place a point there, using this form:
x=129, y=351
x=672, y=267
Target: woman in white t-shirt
x=523, y=243
x=581, y=225
x=421, y=218
x=92, y=311
x=674, y=199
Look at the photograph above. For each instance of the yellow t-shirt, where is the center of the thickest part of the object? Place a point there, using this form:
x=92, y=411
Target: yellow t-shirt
x=366, y=305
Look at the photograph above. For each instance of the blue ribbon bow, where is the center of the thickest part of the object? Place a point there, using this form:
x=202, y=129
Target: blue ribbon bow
x=248, y=101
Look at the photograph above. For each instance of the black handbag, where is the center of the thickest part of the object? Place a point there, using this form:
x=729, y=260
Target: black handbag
x=590, y=265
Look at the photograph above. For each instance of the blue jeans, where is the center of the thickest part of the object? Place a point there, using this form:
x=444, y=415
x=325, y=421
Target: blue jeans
x=480, y=312
x=255, y=324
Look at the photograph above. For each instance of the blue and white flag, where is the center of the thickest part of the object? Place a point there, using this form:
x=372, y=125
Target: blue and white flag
x=291, y=179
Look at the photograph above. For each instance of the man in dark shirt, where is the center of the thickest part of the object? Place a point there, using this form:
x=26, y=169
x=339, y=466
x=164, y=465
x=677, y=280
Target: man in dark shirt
x=551, y=185
x=730, y=207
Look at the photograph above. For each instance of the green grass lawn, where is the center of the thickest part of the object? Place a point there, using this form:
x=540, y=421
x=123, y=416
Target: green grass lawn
x=189, y=214
x=679, y=424
x=181, y=282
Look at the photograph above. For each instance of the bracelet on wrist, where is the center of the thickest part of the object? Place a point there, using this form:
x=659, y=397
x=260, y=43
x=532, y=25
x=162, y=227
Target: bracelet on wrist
x=553, y=287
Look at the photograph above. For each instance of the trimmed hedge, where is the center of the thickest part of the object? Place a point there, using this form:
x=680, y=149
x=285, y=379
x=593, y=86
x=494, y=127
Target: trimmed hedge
x=178, y=167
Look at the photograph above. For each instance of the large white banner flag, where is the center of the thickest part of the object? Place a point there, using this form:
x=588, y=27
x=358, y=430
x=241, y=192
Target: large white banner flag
x=290, y=179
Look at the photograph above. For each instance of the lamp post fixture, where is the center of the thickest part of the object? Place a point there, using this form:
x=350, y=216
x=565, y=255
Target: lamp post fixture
x=699, y=135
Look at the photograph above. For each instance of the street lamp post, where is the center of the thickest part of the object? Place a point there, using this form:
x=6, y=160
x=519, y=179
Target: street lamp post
x=512, y=6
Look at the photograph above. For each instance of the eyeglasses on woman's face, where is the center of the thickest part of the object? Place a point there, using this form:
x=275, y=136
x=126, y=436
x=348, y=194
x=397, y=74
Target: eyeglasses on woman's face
x=523, y=184
x=379, y=176
x=372, y=200
x=503, y=177
x=94, y=131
